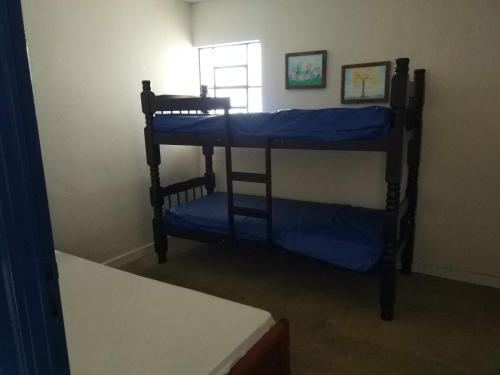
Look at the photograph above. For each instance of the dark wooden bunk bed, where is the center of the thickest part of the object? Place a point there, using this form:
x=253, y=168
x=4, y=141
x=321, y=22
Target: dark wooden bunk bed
x=401, y=143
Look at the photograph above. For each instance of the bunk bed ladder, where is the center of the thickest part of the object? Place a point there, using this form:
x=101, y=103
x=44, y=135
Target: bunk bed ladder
x=262, y=178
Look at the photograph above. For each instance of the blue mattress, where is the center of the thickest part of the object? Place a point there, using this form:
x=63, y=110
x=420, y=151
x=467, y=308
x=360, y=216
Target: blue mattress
x=346, y=236
x=318, y=124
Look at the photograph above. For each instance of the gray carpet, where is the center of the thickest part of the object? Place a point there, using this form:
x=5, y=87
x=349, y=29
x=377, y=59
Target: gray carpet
x=441, y=326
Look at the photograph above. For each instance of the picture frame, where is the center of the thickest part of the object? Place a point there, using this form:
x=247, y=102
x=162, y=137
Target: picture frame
x=305, y=70
x=365, y=83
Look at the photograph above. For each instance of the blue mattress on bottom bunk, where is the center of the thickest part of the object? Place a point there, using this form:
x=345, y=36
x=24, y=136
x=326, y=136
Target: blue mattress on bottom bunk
x=346, y=236
x=330, y=124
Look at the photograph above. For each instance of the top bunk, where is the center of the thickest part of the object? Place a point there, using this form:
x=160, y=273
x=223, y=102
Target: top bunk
x=284, y=128
x=183, y=120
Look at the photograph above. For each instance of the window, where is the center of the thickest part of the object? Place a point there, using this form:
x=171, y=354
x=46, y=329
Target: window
x=234, y=71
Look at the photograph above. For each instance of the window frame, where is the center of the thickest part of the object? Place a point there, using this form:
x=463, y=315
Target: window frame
x=214, y=68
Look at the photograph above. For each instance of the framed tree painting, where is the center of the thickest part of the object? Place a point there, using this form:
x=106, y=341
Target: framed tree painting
x=365, y=83
x=305, y=70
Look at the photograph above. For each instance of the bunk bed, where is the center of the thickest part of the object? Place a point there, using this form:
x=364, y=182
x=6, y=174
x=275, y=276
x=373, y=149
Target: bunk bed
x=357, y=238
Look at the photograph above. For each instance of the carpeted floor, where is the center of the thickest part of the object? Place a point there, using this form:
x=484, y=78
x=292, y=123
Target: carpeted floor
x=441, y=326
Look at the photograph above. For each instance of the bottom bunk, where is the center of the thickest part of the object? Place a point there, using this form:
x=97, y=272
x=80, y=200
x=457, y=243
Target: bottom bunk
x=346, y=236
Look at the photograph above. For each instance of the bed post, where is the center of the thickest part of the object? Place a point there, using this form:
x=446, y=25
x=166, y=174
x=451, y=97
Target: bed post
x=208, y=152
x=229, y=181
x=203, y=91
x=394, y=166
x=415, y=107
x=153, y=159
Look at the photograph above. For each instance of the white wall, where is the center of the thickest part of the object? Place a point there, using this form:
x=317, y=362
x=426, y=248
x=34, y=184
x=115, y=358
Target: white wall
x=458, y=217
x=87, y=60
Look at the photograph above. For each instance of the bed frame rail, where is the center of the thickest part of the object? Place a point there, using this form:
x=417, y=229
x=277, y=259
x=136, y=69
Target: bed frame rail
x=152, y=103
x=270, y=356
x=203, y=105
x=180, y=191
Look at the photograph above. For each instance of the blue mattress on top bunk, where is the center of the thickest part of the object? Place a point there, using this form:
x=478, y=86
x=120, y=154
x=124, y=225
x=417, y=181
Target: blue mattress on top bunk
x=330, y=124
x=346, y=236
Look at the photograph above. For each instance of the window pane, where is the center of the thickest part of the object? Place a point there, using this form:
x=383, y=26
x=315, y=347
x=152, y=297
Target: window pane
x=238, y=96
x=206, y=67
x=255, y=100
x=254, y=65
x=231, y=77
x=230, y=55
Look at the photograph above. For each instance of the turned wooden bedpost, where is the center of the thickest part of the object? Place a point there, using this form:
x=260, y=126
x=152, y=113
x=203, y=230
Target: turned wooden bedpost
x=203, y=91
x=229, y=171
x=153, y=159
x=415, y=107
x=208, y=152
x=394, y=171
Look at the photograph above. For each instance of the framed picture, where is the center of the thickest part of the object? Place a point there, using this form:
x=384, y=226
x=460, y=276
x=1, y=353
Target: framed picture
x=305, y=70
x=365, y=83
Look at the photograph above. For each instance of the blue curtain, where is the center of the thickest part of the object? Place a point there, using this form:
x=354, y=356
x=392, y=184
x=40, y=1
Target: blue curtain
x=32, y=339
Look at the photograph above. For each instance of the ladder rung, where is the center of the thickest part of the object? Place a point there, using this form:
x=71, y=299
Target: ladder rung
x=252, y=212
x=249, y=177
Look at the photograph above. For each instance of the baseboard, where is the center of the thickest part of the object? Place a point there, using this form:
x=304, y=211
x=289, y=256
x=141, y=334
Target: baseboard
x=453, y=274
x=426, y=269
x=129, y=257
